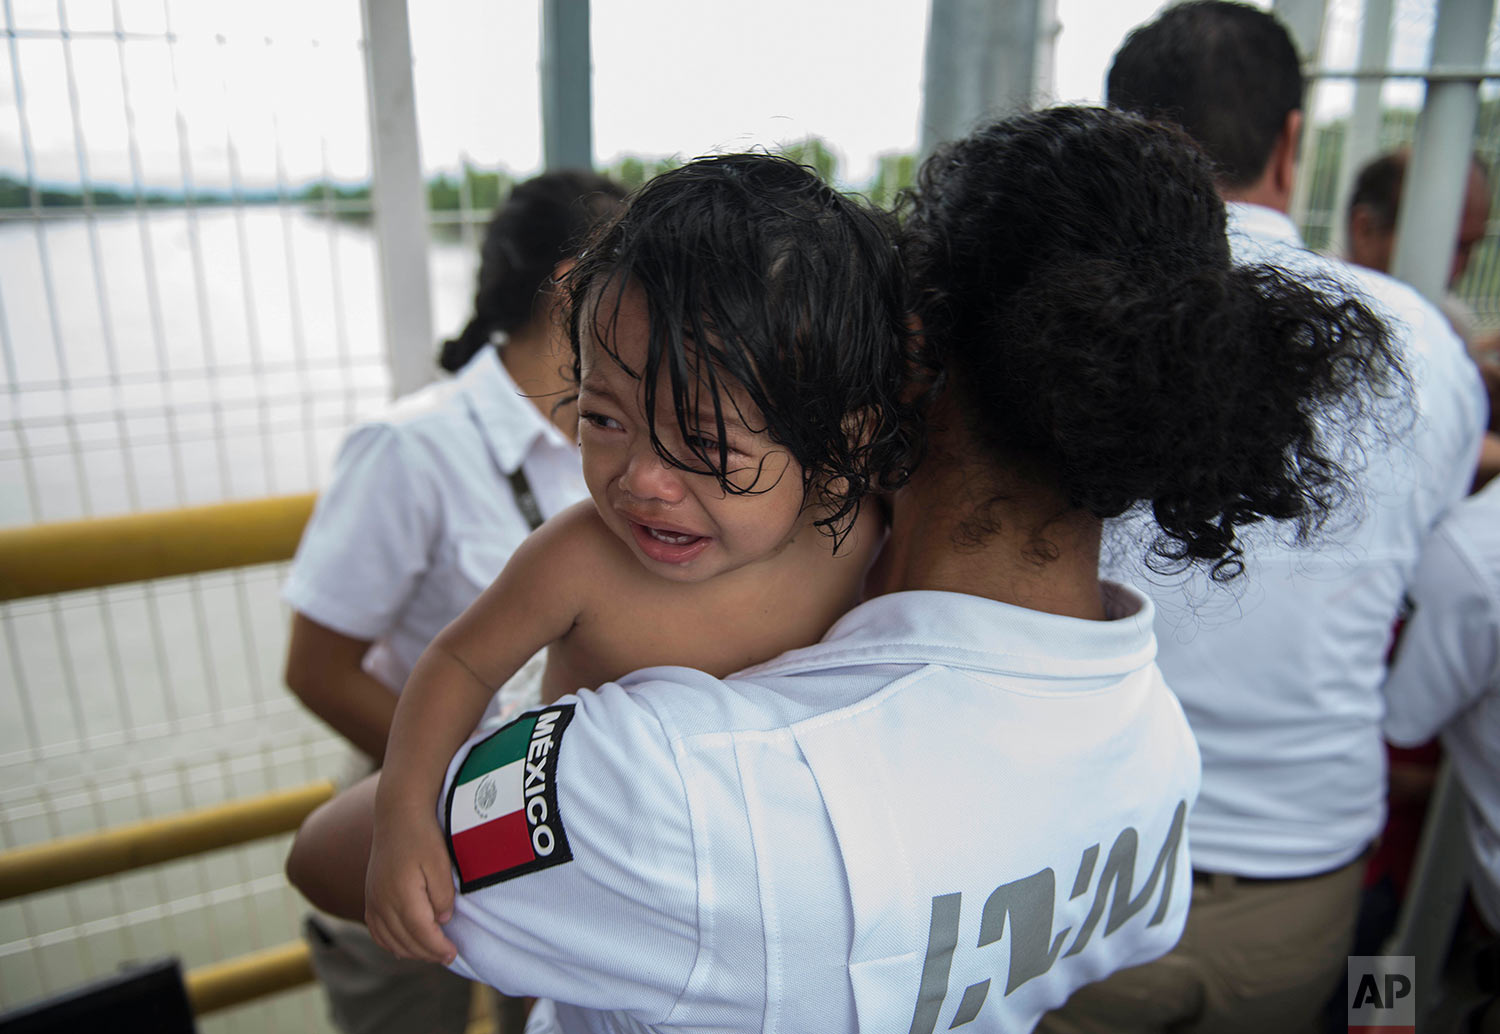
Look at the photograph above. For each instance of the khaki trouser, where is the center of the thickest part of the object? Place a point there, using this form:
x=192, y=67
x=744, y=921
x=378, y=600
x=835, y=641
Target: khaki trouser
x=370, y=991
x=1256, y=956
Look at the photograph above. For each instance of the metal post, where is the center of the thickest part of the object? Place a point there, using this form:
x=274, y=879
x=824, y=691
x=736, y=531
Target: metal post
x=1362, y=140
x=400, y=194
x=1304, y=20
x=1439, y=877
x=1432, y=197
x=1049, y=29
x=567, y=86
x=981, y=60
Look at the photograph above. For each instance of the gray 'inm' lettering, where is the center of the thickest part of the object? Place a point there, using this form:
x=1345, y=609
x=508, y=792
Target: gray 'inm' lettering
x=1025, y=906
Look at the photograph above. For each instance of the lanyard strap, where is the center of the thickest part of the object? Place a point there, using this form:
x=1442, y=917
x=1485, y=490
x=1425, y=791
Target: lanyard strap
x=525, y=498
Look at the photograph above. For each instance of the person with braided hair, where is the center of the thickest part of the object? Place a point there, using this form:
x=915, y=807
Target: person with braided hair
x=424, y=507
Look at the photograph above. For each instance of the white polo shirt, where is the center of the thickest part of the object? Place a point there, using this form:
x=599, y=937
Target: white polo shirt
x=951, y=811
x=1447, y=673
x=1280, y=674
x=419, y=515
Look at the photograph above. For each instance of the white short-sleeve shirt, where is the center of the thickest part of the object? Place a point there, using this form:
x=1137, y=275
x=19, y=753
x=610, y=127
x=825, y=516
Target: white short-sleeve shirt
x=950, y=812
x=420, y=516
x=1447, y=673
x=1280, y=672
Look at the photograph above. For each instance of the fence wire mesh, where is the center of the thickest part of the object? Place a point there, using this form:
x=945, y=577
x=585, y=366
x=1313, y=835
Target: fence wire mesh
x=1412, y=23
x=188, y=314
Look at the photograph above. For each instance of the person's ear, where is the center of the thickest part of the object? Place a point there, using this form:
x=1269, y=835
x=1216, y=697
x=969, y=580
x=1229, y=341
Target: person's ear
x=1361, y=221
x=1284, y=157
x=921, y=364
x=859, y=428
x=553, y=290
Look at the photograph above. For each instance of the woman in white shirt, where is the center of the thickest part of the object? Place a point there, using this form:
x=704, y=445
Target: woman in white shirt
x=968, y=799
x=427, y=503
x=423, y=509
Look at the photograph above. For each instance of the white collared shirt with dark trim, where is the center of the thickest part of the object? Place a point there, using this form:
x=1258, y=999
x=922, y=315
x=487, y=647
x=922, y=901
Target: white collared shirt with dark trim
x=419, y=515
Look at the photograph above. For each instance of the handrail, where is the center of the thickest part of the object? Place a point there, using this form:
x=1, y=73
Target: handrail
x=68, y=860
x=247, y=977
x=40, y=559
x=60, y=557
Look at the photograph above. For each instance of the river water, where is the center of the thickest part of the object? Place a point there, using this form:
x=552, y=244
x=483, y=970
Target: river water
x=153, y=360
x=174, y=357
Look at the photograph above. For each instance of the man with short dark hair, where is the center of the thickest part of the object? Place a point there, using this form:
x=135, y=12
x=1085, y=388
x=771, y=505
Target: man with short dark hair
x=1281, y=682
x=1229, y=75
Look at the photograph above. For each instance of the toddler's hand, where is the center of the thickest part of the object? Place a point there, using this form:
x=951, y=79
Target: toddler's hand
x=409, y=889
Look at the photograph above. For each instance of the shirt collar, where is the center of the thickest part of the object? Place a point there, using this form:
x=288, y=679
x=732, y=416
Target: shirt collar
x=1262, y=223
x=980, y=634
x=510, y=423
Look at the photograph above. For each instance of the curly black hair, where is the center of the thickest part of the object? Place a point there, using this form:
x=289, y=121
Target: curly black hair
x=541, y=223
x=1074, y=274
x=757, y=275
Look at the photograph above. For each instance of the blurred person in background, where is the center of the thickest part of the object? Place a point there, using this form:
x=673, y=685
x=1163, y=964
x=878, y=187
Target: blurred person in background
x=1446, y=681
x=1370, y=229
x=424, y=507
x=1374, y=207
x=1282, y=689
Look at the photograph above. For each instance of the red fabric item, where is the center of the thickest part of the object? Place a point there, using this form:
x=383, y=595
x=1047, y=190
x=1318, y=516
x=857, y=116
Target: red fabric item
x=1396, y=851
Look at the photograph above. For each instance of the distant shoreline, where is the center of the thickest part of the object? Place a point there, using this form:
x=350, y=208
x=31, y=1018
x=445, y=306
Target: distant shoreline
x=16, y=194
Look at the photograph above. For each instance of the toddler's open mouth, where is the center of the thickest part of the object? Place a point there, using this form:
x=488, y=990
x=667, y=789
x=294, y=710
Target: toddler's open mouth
x=666, y=545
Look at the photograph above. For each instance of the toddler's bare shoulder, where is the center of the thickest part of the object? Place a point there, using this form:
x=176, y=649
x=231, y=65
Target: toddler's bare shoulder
x=576, y=545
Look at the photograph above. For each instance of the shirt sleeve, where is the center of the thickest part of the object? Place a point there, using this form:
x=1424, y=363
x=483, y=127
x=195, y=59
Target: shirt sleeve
x=1454, y=412
x=368, y=542
x=1449, y=652
x=576, y=870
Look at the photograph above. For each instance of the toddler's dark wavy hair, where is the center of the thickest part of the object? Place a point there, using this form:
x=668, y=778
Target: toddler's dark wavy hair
x=758, y=276
x=542, y=222
x=1074, y=274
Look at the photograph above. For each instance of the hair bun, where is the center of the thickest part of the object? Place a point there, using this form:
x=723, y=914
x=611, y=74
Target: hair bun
x=1075, y=273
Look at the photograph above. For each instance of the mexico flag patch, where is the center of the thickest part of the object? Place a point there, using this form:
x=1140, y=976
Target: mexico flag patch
x=502, y=806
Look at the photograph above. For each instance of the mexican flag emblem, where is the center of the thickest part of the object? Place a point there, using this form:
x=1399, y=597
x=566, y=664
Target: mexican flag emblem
x=502, y=812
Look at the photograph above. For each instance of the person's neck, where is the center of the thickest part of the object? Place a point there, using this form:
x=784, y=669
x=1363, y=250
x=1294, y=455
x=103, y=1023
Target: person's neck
x=962, y=526
x=1273, y=187
x=532, y=358
x=1262, y=194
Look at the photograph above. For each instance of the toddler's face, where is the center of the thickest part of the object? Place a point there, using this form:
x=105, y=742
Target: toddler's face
x=681, y=525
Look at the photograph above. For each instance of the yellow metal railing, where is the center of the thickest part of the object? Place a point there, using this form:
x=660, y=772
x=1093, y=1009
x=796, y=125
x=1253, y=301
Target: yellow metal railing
x=69, y=860
x=51, y=558
x=48, y=558
x=248, y=977
x=59, y=863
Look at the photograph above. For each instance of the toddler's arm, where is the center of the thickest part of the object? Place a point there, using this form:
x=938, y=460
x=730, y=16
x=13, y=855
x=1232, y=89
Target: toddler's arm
x=409, y=885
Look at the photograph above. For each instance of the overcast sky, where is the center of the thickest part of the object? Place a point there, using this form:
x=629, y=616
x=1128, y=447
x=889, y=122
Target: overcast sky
x=276, y=87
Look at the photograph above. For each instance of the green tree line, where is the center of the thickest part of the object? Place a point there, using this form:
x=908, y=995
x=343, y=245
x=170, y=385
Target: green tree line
x=471, y=189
